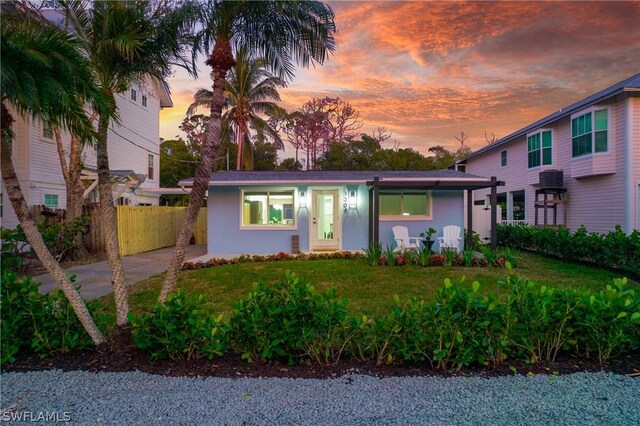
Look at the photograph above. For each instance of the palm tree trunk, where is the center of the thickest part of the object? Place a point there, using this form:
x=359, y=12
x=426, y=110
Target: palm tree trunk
x=109, y=226
x=221, y=61
x=75, y=189
x=14, y=192
x=240, y=145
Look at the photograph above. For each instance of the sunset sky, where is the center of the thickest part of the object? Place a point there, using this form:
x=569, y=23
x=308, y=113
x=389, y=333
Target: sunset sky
x=428, y=70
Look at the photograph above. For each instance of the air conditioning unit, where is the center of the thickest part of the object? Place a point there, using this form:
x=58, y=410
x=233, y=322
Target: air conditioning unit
x=550, y=179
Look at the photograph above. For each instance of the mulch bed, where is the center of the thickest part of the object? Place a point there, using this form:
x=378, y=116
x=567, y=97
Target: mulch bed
x=119, y=354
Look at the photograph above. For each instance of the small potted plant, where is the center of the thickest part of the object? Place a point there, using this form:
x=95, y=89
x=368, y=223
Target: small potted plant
x=427, y=241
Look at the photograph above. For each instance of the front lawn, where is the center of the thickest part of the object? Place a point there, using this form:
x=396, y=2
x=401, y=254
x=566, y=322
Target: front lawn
x=370, y=290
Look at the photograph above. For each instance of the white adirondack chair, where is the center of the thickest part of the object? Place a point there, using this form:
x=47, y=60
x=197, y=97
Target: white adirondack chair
x=450, y=239
x=403, y=240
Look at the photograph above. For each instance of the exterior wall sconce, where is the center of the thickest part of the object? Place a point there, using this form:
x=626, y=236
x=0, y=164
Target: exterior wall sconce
x=353, y=199
x=303, y=199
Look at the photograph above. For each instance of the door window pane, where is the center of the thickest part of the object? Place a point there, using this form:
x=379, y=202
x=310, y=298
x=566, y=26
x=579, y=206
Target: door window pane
x=325, y=217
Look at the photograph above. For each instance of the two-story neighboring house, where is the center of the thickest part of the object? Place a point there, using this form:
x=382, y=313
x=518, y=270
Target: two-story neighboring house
x=594, y=142
x=133, y=146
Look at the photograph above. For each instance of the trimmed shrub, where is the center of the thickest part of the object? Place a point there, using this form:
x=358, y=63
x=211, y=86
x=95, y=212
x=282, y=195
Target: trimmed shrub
x=615, y=249
x=290, y=321
x=45, y=323
x=183, y=327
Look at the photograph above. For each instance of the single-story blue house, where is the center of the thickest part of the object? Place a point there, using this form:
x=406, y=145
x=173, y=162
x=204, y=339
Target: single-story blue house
x=261, y=212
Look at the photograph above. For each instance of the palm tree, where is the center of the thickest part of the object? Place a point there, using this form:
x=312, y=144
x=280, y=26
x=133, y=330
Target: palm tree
x=125, y=42
x=284, y=33
x=44, y=77
x=249, y=90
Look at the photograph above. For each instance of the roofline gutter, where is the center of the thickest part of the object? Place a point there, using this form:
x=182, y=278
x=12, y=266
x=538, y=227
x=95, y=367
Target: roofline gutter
x=332, y=182
x=522, y=131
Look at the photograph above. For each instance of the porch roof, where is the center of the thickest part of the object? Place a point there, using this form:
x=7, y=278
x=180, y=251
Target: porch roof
x=426, y=178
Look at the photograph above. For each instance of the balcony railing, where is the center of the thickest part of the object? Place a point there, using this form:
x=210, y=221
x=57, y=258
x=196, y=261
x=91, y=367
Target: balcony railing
x=511, y=222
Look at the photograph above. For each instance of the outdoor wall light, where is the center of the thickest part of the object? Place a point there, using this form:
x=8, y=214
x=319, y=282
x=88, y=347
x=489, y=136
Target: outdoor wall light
x=353, y=199
x=303, y=199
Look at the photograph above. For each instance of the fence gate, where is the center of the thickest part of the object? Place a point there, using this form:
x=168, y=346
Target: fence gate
x=482, y=221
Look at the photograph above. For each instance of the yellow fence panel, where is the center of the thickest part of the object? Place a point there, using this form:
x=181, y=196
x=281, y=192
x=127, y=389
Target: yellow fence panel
x=145, y=228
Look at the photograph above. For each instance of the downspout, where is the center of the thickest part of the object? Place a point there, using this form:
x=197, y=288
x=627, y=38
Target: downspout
x=628, y=168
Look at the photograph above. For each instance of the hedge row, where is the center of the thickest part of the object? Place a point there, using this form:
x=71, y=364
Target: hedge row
x=293, y=322
x=613, y=250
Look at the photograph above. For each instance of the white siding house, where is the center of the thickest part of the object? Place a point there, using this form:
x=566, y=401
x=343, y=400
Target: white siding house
x=595, y=142
x=133, y=146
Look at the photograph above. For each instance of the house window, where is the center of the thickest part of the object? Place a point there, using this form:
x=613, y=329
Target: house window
x=539, y=146
x=47, y=130
x=134, y=95
x=262, y=208
x=503, y=159
x=150, y=170
x=405, y=205
x=144, y=101
x=51, y=200
x=589, y=133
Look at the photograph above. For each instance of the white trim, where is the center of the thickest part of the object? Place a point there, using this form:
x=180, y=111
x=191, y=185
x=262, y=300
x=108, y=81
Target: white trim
x=336, y=242
x=592, y=109
x=540, y=131
x=638, y=205
x=268, y=227
x=628, y=169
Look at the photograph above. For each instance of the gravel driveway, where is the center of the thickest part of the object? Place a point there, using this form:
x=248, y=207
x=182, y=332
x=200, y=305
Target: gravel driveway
x=140, y=398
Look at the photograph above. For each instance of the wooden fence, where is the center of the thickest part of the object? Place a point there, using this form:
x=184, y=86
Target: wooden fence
x=144, y=228
x=140, y=228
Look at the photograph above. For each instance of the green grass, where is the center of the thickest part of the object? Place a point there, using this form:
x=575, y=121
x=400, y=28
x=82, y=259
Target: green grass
x=369, y=289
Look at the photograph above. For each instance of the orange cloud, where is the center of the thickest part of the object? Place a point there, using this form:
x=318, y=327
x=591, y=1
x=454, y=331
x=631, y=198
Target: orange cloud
x=428, y=70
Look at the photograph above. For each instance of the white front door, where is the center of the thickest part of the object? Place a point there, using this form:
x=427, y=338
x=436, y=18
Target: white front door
x=325, y=229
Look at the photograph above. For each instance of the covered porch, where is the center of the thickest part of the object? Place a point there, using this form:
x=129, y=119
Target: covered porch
x=468, y=184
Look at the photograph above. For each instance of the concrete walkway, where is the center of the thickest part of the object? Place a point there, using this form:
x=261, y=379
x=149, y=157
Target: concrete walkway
x=95, y=278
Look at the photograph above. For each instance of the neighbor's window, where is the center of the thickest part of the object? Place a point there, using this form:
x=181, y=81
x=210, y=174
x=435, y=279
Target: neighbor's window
x=268, y=208
x=589, y=133
x=503, y=159
x=51, y=200
x=150, y=171
x=405, y=205
x=144, y=101
x=539, y=146
x=134, y=95
x=47, y=130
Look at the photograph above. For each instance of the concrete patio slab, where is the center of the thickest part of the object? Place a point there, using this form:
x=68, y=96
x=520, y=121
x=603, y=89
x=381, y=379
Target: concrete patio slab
x=95, y=278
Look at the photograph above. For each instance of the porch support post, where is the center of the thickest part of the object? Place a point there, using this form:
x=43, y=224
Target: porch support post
x=494, y=212
x=469, y=242
x=376, y=209
x=371, y=240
